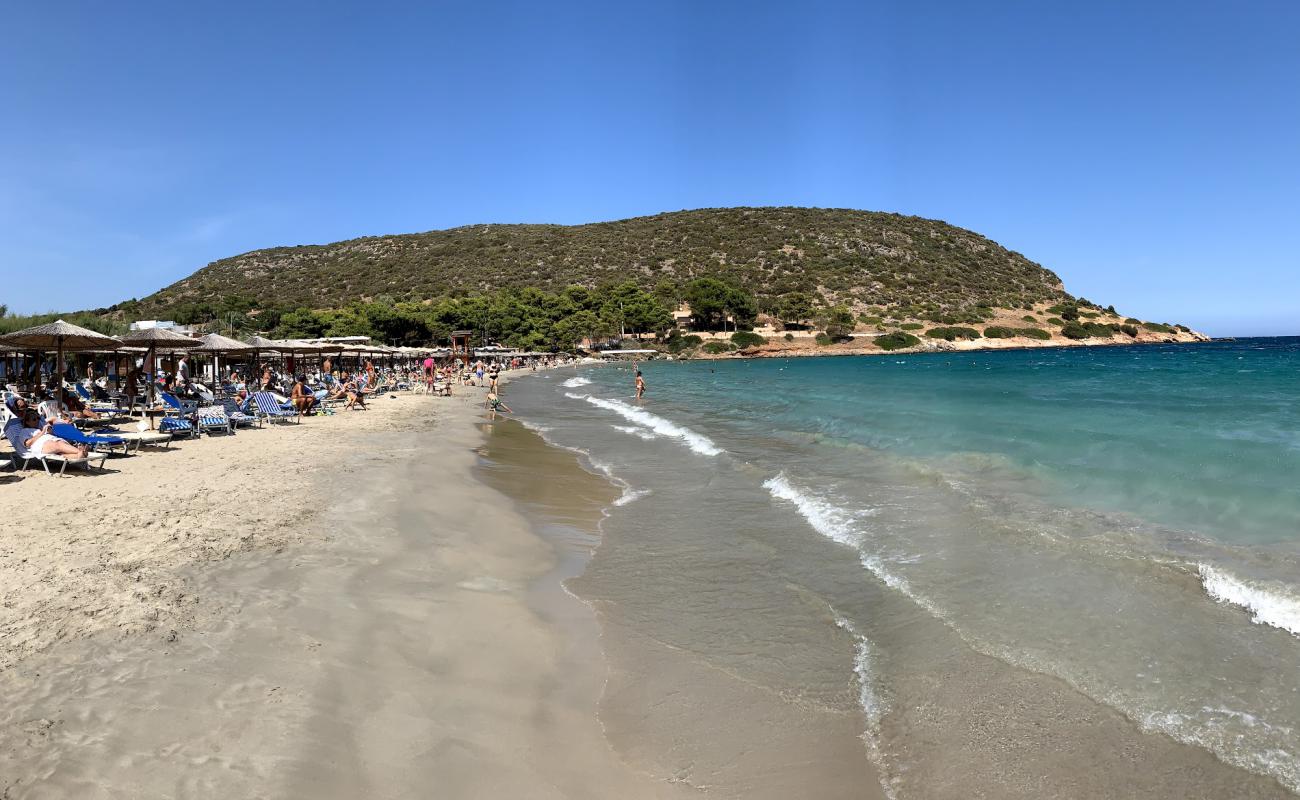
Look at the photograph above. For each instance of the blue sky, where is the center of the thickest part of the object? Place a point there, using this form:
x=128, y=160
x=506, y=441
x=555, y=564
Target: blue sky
x=1148, y=153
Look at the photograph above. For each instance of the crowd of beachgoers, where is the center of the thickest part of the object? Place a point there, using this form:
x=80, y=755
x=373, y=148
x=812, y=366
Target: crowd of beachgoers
x=80, y=417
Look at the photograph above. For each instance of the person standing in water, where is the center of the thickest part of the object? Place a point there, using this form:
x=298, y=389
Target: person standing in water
x=640, y=385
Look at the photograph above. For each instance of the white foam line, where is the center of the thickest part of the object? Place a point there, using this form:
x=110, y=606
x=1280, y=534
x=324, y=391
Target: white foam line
x=637, y=431
x=836, y=524
x=697, y=442
x=870, y=699
x=573, y=383
x=1267, y=606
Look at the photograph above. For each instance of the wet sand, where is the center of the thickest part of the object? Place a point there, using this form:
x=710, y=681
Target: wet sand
x=397, y=655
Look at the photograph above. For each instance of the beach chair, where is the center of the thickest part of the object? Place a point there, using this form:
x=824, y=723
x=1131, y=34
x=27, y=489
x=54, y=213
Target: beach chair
x=174, y=406
x=269, y=408
x=98, y=443
x=237, y=417
x=46, y=460
x=143, y=436
x=98, y=406
x=177, y=426
x=213, y=419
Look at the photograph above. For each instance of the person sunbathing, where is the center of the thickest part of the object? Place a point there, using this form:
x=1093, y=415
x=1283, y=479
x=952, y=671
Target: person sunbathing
x=75, y=407
x=301, y=396
x=38, y=440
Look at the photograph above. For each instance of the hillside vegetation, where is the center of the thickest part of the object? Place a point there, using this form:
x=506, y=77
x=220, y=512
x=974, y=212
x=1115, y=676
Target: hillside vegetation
x=827, y=278
x=834, y=255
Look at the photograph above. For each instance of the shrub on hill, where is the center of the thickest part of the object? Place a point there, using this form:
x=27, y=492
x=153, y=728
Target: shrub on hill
x=1132, y=321
x=744, y=339
x=1129, y=330
x=911, y=326
x=1088, y=330
x=896, y=341
x=715, y=347
x=1157, y=327
x=1000, y=332
x=1055, y=321
x=952, y=334
x=1029, y=318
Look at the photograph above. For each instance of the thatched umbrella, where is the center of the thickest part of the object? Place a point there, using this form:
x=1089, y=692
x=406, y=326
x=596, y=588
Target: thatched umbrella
x=152, y=338
x=59, y=335
x=261, y=344
x=218, y=345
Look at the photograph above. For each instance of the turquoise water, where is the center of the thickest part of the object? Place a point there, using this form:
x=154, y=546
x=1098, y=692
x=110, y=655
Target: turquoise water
x=1204, y=438
x=1123, y=520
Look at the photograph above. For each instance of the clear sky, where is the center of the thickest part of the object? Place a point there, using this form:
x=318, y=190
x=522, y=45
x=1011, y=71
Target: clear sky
x=1149, y=153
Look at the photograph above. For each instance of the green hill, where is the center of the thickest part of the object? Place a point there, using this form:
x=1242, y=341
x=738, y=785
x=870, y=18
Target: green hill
x=856, y=258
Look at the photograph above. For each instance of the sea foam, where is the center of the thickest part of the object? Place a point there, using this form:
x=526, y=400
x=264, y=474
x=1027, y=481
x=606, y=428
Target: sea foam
x=838, y=525
x=696, y=441
x=637, y=431
x=574, y=383
x=1267, y=605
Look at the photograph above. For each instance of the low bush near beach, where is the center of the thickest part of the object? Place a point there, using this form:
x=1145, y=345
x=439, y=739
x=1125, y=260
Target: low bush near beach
x=1001, y=332
x=716, y=347
x=1129, y=330
x=744, y=339
x=1088, y=330
x=823, y=340
x=789, y=337
x=896, y=341
x=1157, y=327
x=952, y=334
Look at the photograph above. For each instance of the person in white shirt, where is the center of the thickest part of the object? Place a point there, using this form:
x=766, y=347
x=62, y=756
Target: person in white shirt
x=38, y=440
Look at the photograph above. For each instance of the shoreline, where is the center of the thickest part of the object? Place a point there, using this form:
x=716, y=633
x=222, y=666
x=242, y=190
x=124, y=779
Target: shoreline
x=970, y=346
x=404, y=640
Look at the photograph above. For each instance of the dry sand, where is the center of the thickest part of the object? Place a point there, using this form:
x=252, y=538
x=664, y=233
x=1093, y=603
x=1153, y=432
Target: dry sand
x=333, y=610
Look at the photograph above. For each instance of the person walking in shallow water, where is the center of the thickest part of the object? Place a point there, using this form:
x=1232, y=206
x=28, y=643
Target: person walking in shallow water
x=640, y=385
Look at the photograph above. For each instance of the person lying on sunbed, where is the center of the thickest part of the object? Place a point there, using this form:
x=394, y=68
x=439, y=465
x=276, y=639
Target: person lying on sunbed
x=32, y=437
x=74, y=405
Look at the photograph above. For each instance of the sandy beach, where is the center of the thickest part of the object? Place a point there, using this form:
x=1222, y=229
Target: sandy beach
x=337, y=609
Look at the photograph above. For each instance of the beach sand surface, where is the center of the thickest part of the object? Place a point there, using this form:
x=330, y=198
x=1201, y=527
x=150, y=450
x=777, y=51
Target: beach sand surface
x=380, y=635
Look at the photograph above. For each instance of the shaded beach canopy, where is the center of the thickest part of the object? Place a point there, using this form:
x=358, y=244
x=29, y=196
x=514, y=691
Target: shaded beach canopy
x=261, y=343
x=59, y=335
x=216, y=343
x=159, y=339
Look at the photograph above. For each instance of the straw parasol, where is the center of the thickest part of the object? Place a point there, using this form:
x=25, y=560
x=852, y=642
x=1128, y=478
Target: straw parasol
x=217, y=345
x=59, y=335
x=153, y=338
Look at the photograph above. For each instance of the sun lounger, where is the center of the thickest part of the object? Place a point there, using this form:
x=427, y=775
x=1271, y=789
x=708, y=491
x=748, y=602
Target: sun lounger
x=99, y=406
x=46, y=460
x=143, y=436
x=213, y=419
x=270, y=409
x=237, y=417
x=177, y=426
x=174, y=406
x=99, y=443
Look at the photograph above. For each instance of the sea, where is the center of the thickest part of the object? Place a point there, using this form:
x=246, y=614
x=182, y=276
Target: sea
x=964, y=546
